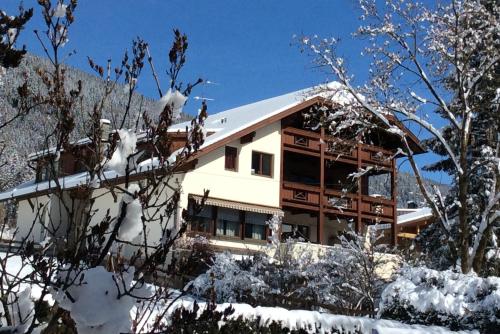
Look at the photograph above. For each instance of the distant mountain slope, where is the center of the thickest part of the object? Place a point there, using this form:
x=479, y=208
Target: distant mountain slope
x=26, y=135
x=407, y=188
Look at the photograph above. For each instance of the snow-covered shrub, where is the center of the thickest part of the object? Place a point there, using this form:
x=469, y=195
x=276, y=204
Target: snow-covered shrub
x=343, y=279
x=229, y=281
x=192, y=257
x=447, y=298
x=19, y=309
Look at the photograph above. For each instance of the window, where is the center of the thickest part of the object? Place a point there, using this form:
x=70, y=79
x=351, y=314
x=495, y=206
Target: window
x=262, y=163
x=255, y=225
x=201, y=221
x=231, y=158
x=228, y=222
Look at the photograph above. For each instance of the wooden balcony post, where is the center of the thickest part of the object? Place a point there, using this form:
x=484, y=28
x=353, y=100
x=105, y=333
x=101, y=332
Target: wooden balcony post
x=321, y=221
x=394, y=203
x=358, y=195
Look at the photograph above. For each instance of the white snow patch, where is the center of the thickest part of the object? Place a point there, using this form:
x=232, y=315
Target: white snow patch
x=60, y=10
x=131, y=225
x=119, y=161
x=176, y=101
x=97, y=306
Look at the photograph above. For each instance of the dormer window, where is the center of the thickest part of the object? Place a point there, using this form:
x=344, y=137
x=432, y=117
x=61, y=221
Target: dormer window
x=231, y=158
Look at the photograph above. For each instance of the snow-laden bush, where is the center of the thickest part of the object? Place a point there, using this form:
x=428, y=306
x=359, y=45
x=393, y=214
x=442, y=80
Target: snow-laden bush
x=228, y=281
x=458, y=301
x=343, y=279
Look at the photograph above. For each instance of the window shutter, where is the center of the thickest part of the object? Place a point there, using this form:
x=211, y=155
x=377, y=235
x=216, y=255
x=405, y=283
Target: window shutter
x=230, y=157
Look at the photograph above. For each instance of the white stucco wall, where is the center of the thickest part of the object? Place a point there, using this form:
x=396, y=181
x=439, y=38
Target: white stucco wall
x=239, y=185
x=104, y=202
x=28, y=218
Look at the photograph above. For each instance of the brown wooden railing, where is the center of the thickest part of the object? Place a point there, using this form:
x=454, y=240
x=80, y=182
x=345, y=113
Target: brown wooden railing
x=308, y=142
x=334, y=201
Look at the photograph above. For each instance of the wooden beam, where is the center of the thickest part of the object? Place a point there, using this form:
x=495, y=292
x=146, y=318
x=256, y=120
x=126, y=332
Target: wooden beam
x=301, y=151
x=313, y=208
x=358, y=206
x=248, y=138
x=394, y=238
x=321, y=227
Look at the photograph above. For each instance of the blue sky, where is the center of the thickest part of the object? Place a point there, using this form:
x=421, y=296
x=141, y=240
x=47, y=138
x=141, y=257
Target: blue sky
x=246, y=47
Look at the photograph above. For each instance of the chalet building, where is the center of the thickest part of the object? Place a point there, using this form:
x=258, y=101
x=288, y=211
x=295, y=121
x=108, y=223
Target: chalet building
x=258, y=160
x=410, y=222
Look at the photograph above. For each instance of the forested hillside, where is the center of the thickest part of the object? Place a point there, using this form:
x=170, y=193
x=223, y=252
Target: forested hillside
x=27, y=134
x=407, y=188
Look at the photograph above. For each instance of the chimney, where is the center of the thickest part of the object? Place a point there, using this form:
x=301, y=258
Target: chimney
x=411, y=205
x=105, y=125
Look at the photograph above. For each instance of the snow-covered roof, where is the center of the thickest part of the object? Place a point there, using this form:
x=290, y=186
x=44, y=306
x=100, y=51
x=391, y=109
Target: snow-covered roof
x=418, y=214
x=75, y=180
x=226, y=123
x=67, y=182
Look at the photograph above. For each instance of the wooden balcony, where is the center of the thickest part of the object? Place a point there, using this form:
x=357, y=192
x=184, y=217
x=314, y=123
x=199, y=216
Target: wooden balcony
x=302, y=196
x=297, y=140
x=308, y=197
x=308, y=143
x=373, y=155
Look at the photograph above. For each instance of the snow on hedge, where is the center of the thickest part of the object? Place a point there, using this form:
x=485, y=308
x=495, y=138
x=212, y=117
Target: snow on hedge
x=422, y=295
x=314, y=321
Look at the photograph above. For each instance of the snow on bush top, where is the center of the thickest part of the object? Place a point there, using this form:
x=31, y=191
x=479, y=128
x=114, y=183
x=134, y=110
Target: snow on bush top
x=131, y=225
x=119, y=161
x=96, y=305
x=420, y=292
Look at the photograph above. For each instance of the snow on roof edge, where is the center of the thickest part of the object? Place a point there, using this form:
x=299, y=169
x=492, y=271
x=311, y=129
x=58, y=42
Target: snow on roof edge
x=421, y=213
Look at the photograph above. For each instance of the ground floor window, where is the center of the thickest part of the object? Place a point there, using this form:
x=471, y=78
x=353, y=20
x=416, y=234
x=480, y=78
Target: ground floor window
x=295, y=232
x=255, y=225
x=200, y=222
x=228, y=222
x=225, y=222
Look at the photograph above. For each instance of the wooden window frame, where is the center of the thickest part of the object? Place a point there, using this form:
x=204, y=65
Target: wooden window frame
x=227, y=150
x=261, y=154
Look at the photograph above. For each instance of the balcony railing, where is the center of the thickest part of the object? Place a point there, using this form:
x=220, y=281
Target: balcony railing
x=300, y=194
x=337, y=202
x=308, y=142
x=301, y=139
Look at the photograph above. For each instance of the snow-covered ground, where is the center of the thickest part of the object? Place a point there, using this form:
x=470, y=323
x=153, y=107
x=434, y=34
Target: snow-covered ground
x=316, y=322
